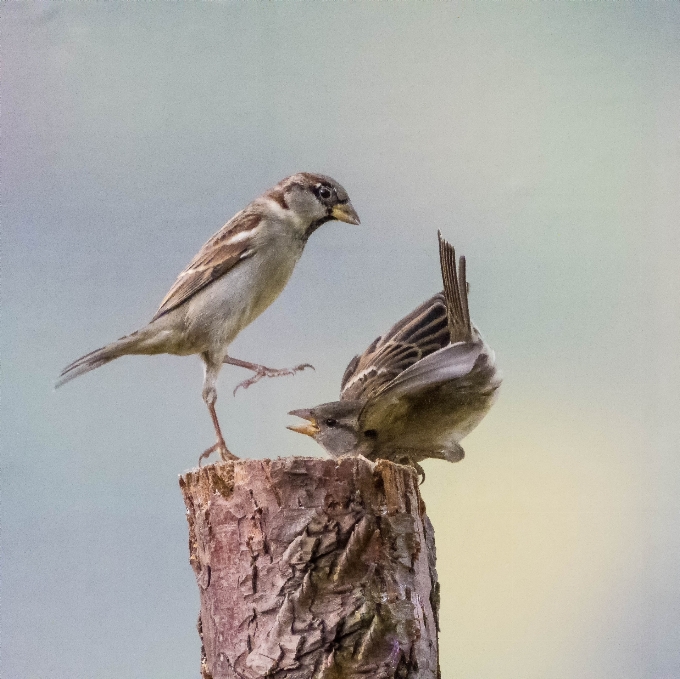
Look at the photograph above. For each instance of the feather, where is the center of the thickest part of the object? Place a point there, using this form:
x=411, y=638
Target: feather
x=465, y=370
x=227, y=248
x=415, y=336
x=455, y=291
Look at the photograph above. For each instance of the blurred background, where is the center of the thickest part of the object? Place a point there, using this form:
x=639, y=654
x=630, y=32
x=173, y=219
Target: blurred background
x=541, y=138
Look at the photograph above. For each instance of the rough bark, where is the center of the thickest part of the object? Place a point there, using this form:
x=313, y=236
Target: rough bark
x=312, y=569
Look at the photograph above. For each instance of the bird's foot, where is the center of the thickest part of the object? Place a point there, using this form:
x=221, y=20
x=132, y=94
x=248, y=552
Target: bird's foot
x=420, y=471
x=221, y=448
x=410, y=462
x=262, y=371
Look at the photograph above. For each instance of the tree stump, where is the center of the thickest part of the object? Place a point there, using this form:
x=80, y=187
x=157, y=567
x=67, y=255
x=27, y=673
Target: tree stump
x=313, y=568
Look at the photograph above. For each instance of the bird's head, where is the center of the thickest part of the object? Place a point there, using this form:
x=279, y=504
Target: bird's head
x=313, y=200
x=335, y=426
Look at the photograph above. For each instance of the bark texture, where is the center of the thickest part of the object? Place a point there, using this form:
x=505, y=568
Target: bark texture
x=313, y=569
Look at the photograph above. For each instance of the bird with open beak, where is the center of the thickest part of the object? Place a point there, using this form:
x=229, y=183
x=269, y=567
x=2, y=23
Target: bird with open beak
x=419, y=389
x=234, y=277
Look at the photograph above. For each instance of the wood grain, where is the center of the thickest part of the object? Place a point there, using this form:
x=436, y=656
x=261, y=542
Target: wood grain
x=312, y=569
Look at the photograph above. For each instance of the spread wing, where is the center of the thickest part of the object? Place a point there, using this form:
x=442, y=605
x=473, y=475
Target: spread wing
x=457, y=375
x=443, y=319
x=422, y=332
x=230, y=245
x=445, y=394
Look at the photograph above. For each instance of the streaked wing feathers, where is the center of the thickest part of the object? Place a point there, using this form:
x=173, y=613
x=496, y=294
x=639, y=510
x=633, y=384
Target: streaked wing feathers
x=455, y=362
x=229, y=246
x=467, y=367
x=424, y=331
x=455, y=291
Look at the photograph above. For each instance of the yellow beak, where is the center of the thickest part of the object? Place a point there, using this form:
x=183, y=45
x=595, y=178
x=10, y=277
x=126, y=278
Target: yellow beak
x=310, y=429
x=344, y=212
x=306, y=429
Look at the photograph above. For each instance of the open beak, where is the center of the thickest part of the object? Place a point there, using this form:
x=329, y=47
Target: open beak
x=310, y=429
x=344, y=212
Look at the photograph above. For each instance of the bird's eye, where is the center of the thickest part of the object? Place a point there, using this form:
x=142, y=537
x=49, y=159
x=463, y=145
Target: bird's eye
x=323, y=192
x=371, y=434
x=330, y=422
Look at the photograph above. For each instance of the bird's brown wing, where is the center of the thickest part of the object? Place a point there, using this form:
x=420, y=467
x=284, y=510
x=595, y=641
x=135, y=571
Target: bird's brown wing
x=435, y=401
x=443, y=319
x=230, y=245
x=422, y=332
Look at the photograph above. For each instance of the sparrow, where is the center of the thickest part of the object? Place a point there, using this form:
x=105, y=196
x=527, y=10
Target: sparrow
x=234, y=277
x=417, y=390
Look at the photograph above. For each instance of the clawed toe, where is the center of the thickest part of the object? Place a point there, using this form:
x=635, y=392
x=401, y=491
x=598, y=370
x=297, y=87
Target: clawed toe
x=419, y=470
x=271, y=372
x=249, y=382
x=302, y=366
x=410, y=462
x=221, y=448
x=226, y=455
x=206, y=454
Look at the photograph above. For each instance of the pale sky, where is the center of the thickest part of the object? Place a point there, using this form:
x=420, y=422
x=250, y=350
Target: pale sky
x=541, y=138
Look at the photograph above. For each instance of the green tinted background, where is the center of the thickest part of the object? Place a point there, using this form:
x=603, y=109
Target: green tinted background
x=541, y=138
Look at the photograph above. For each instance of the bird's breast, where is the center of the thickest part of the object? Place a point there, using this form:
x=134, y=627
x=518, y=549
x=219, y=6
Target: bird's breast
x=218, y=313
x=270, y=270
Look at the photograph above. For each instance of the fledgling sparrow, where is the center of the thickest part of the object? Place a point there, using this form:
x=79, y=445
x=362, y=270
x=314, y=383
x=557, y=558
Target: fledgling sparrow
x=234, y=277
x=418, y=389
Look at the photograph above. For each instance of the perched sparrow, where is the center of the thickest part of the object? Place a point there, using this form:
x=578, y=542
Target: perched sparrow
x=234, y=277
x=417, y=390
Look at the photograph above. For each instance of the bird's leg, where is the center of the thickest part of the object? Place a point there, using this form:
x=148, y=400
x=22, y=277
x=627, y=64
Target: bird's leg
x=409, y=461
x=262, y=371
x=220, y=446
x=420, y=471
x=210, y=396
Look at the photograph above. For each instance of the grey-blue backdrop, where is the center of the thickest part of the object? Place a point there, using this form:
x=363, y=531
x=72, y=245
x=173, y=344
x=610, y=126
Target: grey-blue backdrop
x=542, y=138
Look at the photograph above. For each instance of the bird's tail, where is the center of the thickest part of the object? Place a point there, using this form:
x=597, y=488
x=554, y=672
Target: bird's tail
x=455, y=292
x=130, y=344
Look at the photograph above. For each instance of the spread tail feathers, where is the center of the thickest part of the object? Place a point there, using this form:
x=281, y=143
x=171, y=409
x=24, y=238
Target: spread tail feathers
x=456, y=292
x=130, y=344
